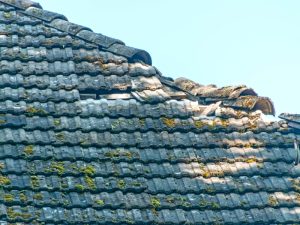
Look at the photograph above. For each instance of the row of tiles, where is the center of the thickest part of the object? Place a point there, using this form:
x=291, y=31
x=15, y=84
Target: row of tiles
x=169, y=185
x=17, y=41
x=116, y=125
x=71, y=67
x=103, y=107
x=34, y=30
x=150, y=216
x=248, y=167
x=147, y=155
x=148, y=139
x=160, y=95
x=13, y=16
x=83, y=82
x=42, y=53
x=120, y=200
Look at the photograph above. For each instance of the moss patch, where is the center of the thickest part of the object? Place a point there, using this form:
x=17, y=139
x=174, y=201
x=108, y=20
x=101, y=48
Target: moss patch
x=31, y=111
x=7, y=15
x=23, y=197
x=100, y=202
x=57, y=122
x=4, y=180
x=118, y=153
x=14, y=215
x=199, y=124
x=121, y=184
x=58, y=167
x=79, y=187
x=88, y=170
x=90, y=182
x=60, y=136
x=38, y=196
x=169, y=122
x=8, y=198
x=35, y=182
x=155, y=202
x=28, y=150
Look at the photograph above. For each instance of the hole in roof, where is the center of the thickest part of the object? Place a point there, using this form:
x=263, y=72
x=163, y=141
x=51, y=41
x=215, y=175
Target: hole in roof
x=104, y=94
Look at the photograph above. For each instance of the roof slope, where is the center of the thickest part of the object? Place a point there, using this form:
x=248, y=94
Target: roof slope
x=91, y=133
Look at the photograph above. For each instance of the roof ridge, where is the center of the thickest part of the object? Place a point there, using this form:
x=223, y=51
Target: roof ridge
x=60, y=22
x=236, y=97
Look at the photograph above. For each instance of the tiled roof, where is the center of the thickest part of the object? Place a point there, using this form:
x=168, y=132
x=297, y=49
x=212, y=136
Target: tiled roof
x=91, y=133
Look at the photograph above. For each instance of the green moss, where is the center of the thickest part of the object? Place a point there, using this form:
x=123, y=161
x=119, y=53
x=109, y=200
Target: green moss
x=14, y=215
x=204, y=204
x=58, y=167
x=88, y=170
x=57, y=122
x=215, y=205
x=79, y=187
x=121, y=184
x=198, y=124
x=142, y=122
x=2, y=166
x=8, y=198
x=23, y=197
x=60, y=136
x=7, y=15
x=2, y=122
x=28, y=150
x=4, y=181
x=38, y=196
x=31, y=111
x=100, y=202
x=155, y=202
x=90, y=182
x=251, y=160
x=136, y=184
x=118, y=153
x=35, y=182
x=169, y=122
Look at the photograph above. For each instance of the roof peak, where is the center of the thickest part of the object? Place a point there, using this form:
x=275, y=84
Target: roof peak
x=60, y=22
x=146, y=83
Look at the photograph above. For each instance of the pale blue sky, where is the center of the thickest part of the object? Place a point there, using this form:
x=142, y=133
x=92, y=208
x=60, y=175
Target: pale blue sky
x=222, y=42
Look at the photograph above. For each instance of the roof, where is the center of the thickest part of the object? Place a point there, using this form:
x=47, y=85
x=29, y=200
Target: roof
x=91, y=133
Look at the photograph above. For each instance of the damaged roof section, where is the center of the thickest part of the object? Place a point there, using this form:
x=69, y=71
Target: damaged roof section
x=238, y=97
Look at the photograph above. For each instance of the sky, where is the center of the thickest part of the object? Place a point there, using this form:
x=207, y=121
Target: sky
x=222, y=42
